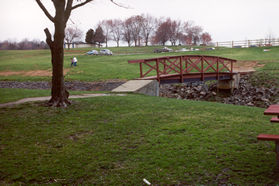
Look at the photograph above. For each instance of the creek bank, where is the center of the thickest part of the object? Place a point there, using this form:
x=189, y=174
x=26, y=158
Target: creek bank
x=247, y=93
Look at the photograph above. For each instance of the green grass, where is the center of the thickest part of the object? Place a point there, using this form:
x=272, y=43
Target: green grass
x=100, y=68
x=17, y=60
x=121, y=140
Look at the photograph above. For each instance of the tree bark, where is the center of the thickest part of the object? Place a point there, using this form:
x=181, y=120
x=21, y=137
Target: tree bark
x=59, y=94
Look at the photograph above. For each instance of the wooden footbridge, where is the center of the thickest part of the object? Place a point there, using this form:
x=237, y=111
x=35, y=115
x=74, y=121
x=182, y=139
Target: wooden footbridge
x=187, y=68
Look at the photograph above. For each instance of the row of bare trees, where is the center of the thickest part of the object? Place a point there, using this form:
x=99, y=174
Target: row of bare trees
x=180, y=32
x=25, y=44
x=145, y=29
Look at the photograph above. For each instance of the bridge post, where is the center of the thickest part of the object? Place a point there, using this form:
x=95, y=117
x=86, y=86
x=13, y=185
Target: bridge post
x=181, y=70
x=157, y=70
x=217, y=69
x=230, y=84
x=141, y=75
x=165, y=67
x=202, y=70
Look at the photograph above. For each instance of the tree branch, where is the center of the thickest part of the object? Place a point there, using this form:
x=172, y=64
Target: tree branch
x=45, y=10
x=81, y=4
x=68, y=10
x=48, y=38
x=118, y=4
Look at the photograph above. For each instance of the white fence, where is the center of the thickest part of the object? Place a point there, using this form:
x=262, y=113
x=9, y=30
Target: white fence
x=248, y=43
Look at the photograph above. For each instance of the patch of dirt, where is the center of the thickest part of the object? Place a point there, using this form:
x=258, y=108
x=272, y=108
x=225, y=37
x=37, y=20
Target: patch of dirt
x=80, y=135
x=37, y=73
x=244, y=66
x=10, y=73
x=31, y=73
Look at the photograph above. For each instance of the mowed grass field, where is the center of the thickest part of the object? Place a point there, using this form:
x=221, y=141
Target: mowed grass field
x=36, y=65
x=121, y=140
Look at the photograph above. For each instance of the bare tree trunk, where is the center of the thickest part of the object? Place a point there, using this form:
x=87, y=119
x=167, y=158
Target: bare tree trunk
x=146, y=39
x=59, y=94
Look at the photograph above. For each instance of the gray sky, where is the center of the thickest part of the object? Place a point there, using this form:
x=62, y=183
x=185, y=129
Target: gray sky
x=225, y=20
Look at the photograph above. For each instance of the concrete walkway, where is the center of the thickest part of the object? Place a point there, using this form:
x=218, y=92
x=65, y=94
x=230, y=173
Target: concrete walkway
x=25, y=100
x=146, y=87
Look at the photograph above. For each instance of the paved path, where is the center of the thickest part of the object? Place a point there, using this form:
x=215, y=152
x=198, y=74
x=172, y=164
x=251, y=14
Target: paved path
x=25, y=100
x=132, y=86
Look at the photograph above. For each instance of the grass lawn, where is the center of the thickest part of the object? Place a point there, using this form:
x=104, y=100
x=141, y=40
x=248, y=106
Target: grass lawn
x=121, y=140
x=100, y=68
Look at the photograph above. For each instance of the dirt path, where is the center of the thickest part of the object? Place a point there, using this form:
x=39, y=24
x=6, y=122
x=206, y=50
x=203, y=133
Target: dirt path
x=25, y=100
x=246, y=66
x=31, y=73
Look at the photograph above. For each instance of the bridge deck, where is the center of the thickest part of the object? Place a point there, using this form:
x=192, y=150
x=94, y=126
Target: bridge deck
x=193, y=77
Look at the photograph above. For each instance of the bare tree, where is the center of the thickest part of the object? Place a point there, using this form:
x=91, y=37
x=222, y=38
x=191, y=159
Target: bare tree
x=163, y=32
x=127, y=31
x=63, y=9
x=206, y=38
x=148, y=27
x=195, y=33
x=188, y=39
x=106, y=26
x=116, y=30
x=175, y=30
x=24, y=45
x=71, y=34
x=187, y=32
x=181, y=38
x=136, y=24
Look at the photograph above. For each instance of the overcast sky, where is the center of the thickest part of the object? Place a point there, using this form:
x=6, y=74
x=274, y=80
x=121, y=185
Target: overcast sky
x=225, y=20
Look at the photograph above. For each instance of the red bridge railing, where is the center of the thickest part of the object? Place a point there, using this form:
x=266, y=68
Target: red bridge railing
x=181, y=66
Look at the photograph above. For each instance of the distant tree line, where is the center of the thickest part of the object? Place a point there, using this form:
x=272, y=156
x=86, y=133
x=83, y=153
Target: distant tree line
x=136, y=30
x=23, y=45
x=145, y=29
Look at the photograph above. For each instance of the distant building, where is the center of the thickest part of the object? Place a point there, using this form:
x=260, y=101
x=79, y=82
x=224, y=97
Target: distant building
x=79, y=45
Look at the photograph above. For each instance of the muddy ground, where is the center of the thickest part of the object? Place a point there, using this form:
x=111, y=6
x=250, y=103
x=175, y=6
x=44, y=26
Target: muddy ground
x=74, y=85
